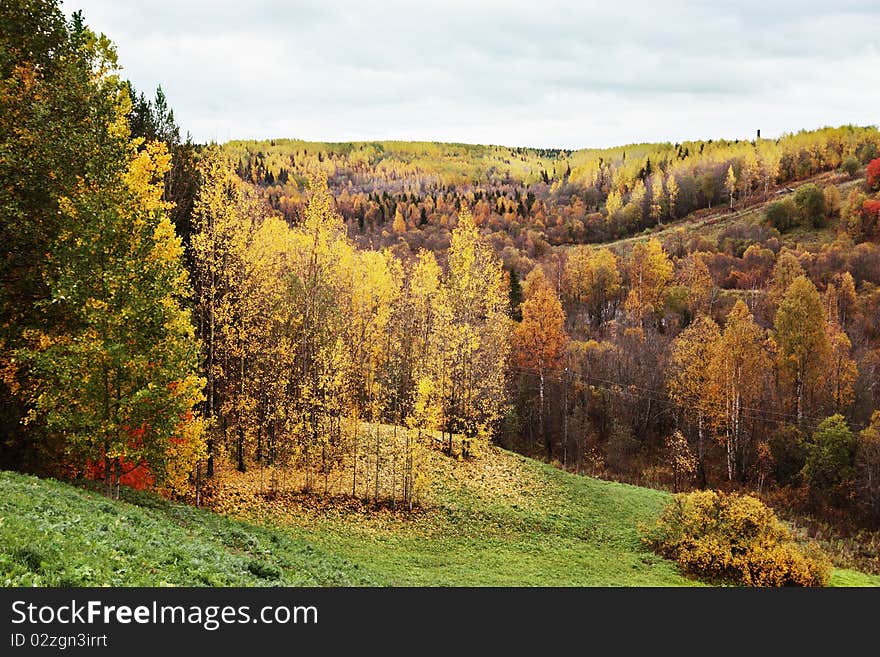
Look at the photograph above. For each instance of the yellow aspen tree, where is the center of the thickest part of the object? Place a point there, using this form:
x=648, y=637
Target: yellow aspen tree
x=739, y=367
x=769, y=164
x=382, y=277
x=830, y=299
x=415, y=398
x=672, y=192
x=785, y=271
x=240, y=330
x=613, y=203
x=592, y=279
x=846, y=298
x=218, y=247
x=730, y=184
x=650, y=272
x=477, y=326
x=399, y=224
x=690, y=379
x=318, y=256
x=637, y=200
x=658, y=199
x=274, y=325
x=693, y=275
x=803, y=343
x=425, y=418
x=748, y=174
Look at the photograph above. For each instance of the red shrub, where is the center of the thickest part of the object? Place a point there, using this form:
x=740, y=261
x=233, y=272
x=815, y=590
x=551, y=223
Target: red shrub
x=872, y=174
x=871, y=210
x=871, y=219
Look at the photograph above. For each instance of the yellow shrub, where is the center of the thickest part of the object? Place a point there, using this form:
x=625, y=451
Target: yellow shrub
x=734, y=538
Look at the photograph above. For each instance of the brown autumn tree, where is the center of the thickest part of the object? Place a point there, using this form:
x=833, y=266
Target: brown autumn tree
x=539, y=341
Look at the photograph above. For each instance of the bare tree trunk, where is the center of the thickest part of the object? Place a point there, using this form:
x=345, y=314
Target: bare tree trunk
x=108, y=474
x=565, y=419
x=308, y=465
x=270, y=443
x=354, y=474
x=394, y=465
x=799, y=385
x=729, y=456
x=240, y=446
x=701, y=450
x=116, y=472
x=407, y=471
x=376, y=491
x=324, y=467
x=394, y=478
x=211, y=402
x=199, y=484
x=547, y=442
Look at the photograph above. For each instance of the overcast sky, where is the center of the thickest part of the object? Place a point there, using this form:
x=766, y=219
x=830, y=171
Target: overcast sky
x=536, y=73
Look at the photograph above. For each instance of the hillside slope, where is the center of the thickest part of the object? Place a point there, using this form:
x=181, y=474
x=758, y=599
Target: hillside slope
x=709, y=223
x=500, y=520
x=54, y=534
x=504, y=520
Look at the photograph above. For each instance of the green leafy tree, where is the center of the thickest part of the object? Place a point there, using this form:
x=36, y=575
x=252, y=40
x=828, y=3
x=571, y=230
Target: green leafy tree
x=120, y=382
x=782, y=215
x=514, y=295
x=61, y=137
x=830, y=455
x=102, y=352
x=851, y=166
x=810, y=203
x=868, y=466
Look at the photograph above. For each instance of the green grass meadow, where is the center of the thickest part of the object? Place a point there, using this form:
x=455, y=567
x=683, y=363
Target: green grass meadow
x=513, y=522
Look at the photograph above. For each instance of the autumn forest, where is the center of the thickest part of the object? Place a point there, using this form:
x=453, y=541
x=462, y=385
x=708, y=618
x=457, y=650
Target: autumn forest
x=209, y=321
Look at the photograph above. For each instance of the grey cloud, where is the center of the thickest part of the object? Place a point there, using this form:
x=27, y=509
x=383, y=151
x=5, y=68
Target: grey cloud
x=549, y=73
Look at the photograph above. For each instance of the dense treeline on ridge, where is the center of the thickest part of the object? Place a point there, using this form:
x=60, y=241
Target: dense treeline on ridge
x=172, y=310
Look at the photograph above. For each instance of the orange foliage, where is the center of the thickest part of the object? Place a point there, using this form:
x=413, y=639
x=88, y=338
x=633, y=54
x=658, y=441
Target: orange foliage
x=137, y=476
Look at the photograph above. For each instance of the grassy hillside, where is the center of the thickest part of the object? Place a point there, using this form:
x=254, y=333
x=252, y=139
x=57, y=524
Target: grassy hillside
x=504, y=520
x=53, y=534
x=710, y=224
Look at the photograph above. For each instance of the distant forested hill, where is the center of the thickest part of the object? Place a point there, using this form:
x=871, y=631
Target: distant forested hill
x=530, y=199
